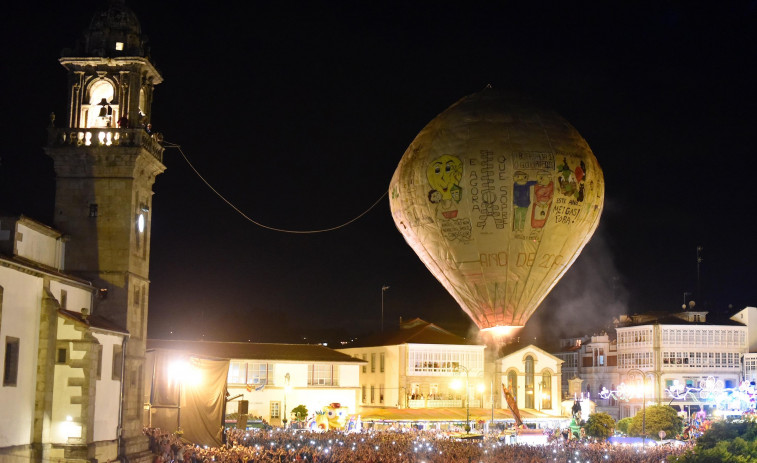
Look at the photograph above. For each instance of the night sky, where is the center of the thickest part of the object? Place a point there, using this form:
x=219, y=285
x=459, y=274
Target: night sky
x=298, y=113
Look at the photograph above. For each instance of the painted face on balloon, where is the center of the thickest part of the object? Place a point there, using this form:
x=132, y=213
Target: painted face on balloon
x=520, y=177
x=543, y=177
x=456, y=193
x=443, y=173
x=434, y=196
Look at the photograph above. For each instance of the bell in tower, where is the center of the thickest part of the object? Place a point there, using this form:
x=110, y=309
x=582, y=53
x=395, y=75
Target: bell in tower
x=106, y=164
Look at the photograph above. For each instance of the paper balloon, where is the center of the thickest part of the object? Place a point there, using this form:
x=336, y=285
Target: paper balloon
x=498, y=197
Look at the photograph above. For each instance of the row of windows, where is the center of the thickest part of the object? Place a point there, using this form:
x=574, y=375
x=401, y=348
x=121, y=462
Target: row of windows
x=431, y=391
x=12, y=348
x=364, y=393
x=703, y=337
x=257, y=373
x=382, y=362
x=700, y=359
x=533, y=391
x=250, y=373
x=635, y=337
x=569, y=360
x=323, y=375
x=635, y=360
x=445, y=362
x=750, y=368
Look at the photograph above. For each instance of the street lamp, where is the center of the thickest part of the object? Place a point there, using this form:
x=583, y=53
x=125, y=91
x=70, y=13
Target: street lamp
x=467, y=396
x=635, y=372
x=287, y=388
x=383, y=288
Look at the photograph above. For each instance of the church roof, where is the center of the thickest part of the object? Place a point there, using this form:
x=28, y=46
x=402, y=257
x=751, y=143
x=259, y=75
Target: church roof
x=93, y=321
x=113, y=23
x=513, y=348
x=415, y=331
x=255, y=351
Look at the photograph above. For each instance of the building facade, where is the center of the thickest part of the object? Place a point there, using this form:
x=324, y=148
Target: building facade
x=420, y=365
x=673, y=356
x=95, y=267
x=272, y=379
x=62, y=365
x=534, y=377
x=682, y=349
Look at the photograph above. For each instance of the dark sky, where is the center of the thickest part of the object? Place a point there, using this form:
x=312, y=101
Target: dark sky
x=298, y=112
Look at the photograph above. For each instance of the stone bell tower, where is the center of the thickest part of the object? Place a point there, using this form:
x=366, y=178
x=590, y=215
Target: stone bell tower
x=106, y=163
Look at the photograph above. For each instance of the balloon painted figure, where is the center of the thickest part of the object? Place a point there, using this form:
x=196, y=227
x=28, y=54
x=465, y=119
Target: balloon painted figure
x=498, y=197
x=444, y=174
x=521, y=199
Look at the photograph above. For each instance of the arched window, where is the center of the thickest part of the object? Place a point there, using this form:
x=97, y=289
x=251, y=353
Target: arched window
x=101, y=109
x=529, y=402
x=546, y=390
x=142, y=107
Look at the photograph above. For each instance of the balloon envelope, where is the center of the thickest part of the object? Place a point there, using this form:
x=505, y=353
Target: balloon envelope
x=497, y=197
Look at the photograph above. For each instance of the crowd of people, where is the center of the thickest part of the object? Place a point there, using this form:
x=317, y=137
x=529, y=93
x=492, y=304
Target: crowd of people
x=281, y=446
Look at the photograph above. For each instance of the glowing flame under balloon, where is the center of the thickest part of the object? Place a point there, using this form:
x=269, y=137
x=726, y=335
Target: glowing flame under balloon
x=498, y=198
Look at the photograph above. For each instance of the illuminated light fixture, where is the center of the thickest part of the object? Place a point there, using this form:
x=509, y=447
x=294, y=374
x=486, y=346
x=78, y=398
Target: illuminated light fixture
x=119, y=46
x=141, y=223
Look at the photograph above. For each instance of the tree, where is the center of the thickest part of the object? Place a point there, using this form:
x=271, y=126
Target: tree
x=600, y=425
x=658, y=418
x=725, y=442
x=623, y=424
x=300, y=411
x=723, y=431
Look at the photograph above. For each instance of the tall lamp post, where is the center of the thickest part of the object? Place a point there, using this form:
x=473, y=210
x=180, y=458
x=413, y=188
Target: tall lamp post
x=287, y=388
x=467, y=396
x=635, y=372
x=383, y=289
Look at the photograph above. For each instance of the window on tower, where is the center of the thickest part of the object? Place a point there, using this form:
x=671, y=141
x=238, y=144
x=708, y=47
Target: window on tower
x=119, y=46
x=102, y=109
x=93, y=210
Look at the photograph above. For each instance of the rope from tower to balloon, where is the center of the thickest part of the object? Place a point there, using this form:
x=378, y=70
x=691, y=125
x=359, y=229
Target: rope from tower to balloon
x=251, y=220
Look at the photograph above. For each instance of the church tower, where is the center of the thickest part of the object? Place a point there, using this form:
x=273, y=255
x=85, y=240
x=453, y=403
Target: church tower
x=106, y=160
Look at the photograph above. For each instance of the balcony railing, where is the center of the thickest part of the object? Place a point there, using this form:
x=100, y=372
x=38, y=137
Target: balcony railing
x=438, y=403
x=106, y=137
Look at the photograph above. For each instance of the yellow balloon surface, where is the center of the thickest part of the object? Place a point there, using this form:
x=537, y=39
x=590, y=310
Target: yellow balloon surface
x=497, y=197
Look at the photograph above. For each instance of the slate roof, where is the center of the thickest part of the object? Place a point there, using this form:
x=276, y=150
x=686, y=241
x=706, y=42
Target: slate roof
x=94, y=321
x=517, y=347
x=255, y=351
x=42, y=268
x=713, y=319
x=417, y=331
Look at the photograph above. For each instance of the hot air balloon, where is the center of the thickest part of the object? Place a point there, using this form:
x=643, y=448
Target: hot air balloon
x=498, y=197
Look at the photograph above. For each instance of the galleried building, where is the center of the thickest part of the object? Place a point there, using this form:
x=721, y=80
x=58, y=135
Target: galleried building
x=73, y=299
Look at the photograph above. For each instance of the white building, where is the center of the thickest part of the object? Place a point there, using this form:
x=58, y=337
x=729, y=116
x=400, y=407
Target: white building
x=534, y=376
x=420, y=365
x=569, y=353
x=62, y=365
x=682, y=349
x=274, y=378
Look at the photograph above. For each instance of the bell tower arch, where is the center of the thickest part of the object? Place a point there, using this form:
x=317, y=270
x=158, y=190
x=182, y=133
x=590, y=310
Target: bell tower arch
x=106, y=164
